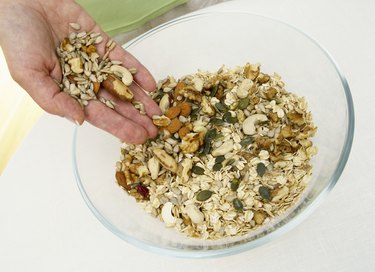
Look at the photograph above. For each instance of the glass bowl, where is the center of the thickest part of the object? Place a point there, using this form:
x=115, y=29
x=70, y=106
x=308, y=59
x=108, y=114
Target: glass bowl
x=206, y=41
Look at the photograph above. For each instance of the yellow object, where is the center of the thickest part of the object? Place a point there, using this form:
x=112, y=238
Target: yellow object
x=18, y=114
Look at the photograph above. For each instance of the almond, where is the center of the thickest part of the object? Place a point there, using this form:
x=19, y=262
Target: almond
x=174, y=126
x=121, y=180
x=185, y=109
x=173, y=112
x=183, y=131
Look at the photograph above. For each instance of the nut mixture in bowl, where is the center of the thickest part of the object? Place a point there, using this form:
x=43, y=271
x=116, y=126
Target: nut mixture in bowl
x=233, y=152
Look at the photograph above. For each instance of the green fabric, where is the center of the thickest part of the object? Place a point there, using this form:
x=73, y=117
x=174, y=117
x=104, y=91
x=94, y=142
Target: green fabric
x=115, y=16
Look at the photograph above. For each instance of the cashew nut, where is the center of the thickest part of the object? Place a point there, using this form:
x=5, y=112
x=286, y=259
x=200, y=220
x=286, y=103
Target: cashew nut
x=166, y=214
x=186, y=164
x=244, y=88
x=225, y=148
x=154, y=167
x=164, y=103
x=126, y=76
x=194, y=213
x=248, y=126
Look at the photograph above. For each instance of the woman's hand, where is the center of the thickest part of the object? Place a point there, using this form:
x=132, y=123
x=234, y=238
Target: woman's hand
x=30, y=31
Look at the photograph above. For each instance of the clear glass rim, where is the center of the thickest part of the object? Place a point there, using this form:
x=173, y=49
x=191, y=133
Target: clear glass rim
x=200, y=253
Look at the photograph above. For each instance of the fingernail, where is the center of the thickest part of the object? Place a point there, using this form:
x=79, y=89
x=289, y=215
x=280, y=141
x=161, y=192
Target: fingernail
x=73, y=121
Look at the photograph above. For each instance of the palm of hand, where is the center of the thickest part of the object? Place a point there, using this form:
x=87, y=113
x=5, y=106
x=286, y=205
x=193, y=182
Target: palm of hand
x=29, y=35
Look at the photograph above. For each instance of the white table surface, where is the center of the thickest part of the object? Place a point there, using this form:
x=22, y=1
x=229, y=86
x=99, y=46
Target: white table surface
x=46, y=226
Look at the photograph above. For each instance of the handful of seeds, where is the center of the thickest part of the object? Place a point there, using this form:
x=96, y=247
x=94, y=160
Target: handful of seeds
x=233, y=152
x=85, y=72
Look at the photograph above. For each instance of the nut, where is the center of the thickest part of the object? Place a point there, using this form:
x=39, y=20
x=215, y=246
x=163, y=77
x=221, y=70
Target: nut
x=66, y=46
x=154, y=167
x=192, y=95
x=271, y=92
x=186, y=164
x=166, y=160
x=166, y=214
x=179, y=88
x=142, y=171
x=207, y=107
x=259, y=217
x=263, y=78
x=280, y=193
x=185, y=109
x=116, y=87
x=76, y=65
x=164, y=103
x=183, y=131
x=251, y=71
x=225, y=148
x=244, y=88
x=174, y=126
x=126, y=76
x=194, y=213
x=121, y=180
x=248, y=126
x=161, y=121
x=190, y=143
x=173, y=112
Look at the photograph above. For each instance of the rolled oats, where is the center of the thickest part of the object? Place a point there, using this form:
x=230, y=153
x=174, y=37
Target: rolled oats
x=238, y=153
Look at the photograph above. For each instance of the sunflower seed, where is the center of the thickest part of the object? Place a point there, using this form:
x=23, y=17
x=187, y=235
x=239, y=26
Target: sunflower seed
x=75, y=26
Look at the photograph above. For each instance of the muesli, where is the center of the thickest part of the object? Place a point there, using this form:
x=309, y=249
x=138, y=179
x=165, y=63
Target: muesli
x=233, y=152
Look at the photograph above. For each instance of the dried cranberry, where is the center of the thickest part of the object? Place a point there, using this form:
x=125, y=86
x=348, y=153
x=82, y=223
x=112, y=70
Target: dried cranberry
x=143, y=191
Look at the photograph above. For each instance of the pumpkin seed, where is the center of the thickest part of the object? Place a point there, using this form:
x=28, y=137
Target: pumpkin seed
x=204, y=195
x=197, y=170
x=265, y=192
x=220, y=159
x=243, y=103
x=216, y=121
x=220, y=107
x=261, y=169
x=194, y=114
x=217, y=167
x=210, y=135
x=237, y=204
x=227, y=117
x=213, y=90
x=207, y=147
x=234, y=184
x=245, y=142
x=230, y=162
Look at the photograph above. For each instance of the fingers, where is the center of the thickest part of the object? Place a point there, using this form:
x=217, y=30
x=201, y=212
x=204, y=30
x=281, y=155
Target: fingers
x=127, y=110
x=150, y=105
x=109, y=120
x=46, y=93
